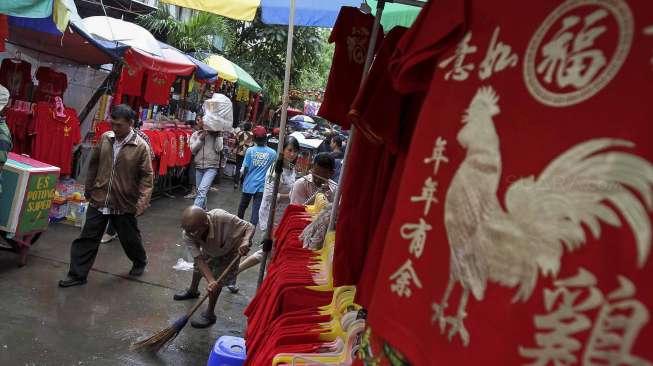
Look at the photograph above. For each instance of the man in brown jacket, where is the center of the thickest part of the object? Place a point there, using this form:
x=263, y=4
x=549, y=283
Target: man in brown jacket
x=118, y=188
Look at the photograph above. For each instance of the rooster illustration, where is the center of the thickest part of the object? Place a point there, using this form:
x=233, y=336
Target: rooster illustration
x=586, y=185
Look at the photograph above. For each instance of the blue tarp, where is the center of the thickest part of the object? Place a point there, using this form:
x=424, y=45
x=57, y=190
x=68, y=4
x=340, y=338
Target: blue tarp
x=203, y=71
x=311, y=13
x=41, y=34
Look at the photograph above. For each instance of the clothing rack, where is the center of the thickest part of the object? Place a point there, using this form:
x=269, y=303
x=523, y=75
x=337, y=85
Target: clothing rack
x=380, y=6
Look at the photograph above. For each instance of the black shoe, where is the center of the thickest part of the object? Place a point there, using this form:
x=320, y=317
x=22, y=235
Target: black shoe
x=186, y=295
x=203, y=321
x=137, y=271
x=233, y=289
x=72, y=281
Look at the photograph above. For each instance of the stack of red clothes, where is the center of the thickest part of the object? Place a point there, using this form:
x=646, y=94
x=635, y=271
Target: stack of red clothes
x=285, y=316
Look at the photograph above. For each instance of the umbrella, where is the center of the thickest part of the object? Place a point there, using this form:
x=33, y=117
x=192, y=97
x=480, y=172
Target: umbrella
x=396, y=14
x=130, y=34
x=302, y=118
x=229, y=71
x=314, y=13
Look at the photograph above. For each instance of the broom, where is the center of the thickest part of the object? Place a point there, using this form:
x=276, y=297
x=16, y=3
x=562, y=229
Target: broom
x=158, y=340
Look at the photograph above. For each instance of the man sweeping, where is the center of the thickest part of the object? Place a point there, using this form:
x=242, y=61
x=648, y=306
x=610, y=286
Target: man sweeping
x=215, y=238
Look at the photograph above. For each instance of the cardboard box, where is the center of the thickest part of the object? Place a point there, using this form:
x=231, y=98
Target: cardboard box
x=27, y=191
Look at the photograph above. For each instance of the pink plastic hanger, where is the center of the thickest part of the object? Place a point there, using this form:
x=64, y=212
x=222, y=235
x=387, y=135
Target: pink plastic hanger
x=60, y=110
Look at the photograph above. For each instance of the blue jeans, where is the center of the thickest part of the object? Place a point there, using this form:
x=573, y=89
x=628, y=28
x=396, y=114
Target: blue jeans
x=203, y=180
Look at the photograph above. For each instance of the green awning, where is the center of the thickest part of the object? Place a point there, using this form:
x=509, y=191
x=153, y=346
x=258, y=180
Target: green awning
x=246, y=79
x=396, y=14
x=27, y=8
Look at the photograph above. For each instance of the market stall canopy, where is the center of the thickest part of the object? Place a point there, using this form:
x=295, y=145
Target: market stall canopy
x=204, y=71
x=61, y=34
x=171, y=65
x=124, y=33
x=396, y=14
x=229, y=71
x=313, y=13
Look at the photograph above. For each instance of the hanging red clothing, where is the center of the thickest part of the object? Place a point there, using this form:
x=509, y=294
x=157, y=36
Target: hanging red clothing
x=157, y=87
x=51, y=84
x=131, y=79
x=4, y=31
x=351, y=34
x=16, y=76
x=18, y=122
x=517, y=234
x=55, y=136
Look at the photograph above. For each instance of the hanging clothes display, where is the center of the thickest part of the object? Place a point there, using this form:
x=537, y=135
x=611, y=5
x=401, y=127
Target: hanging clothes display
x=56, y=133
x=16, y=76
x=522, y=230
x=157, y=87
x=51, y=84
x=19, y=121
x=351, y=34
x=131, y=78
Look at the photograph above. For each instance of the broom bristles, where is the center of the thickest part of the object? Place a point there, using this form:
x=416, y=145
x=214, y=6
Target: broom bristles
x=158, y=340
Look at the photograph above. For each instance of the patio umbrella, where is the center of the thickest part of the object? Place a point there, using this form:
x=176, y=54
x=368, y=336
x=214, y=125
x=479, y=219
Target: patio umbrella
x=314, y=13
x=229, y=71
x=129, y=34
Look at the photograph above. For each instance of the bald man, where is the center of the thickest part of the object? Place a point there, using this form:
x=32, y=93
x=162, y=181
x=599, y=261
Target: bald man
x=215, y=239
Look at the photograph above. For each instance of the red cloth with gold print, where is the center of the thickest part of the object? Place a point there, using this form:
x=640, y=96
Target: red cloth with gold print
x=55, y=136
x=351, y=34
x=157, y=87
x=522, y=233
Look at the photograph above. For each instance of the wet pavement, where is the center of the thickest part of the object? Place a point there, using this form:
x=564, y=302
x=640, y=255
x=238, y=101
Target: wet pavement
x=41, y=324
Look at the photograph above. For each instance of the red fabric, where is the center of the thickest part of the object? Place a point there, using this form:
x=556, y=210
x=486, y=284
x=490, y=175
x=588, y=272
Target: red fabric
x=55, y=136
x=499, y=197
x=4, y=31
x=157, y=87
x=351, y=34
x=16, y=76
x=19, y=122
x=150, y=62
x=101, y=128
x=131, y=78
x=385, y=122
x=183, y=145
x=172, y=147
x=51, y=84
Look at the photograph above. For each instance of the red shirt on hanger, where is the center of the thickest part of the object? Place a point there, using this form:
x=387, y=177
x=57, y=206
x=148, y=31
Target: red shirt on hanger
x=351, y=34
x=16, y=76
x=51, y=84
x=522, y=230
x=55, y=136
x=157, y=87
x=131, y=79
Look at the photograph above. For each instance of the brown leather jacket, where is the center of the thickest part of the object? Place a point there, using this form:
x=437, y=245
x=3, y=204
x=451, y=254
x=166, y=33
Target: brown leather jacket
x=124, y=185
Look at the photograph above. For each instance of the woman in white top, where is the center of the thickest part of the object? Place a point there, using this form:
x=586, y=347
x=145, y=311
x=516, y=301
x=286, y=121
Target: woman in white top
x=287, y=168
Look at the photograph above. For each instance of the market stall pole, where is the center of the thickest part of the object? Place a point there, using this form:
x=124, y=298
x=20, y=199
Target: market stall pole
x=267, y=241
x=352, y=132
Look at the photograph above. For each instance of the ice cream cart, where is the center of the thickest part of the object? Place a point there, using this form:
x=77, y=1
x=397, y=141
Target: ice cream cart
x=28, y=188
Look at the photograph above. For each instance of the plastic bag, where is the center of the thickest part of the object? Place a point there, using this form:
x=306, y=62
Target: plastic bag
x=218, y=113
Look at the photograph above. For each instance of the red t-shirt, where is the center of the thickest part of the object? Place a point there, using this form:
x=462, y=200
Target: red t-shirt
x=18, y=122
x=536, y=152
x=351, y=34
x=4, y=31
x=100, y=129
x=131, y=79
x=15, y=75
x=157, y=87
x=55, y=136
x=51, y=84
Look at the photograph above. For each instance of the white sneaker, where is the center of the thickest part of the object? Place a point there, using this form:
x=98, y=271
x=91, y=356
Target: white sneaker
x=190, y=196
x=106, y=238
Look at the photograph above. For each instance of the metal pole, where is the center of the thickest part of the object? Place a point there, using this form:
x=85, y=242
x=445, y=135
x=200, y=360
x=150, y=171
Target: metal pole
x=366, y=70
x=282, y=134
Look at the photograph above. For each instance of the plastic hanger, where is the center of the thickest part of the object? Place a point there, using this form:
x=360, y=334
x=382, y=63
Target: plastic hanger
x=59, y=108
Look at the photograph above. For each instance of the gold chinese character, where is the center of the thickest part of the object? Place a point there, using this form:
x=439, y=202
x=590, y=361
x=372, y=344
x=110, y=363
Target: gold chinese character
x=428, y=195
x=403, y=278
x=460, y=70
x=499, y=56
x=416, y=233
x=569, y=57
x=438, y=155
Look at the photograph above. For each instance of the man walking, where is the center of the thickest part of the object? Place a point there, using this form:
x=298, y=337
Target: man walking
x=118, y=187
x=215, y=238
x=258, y=160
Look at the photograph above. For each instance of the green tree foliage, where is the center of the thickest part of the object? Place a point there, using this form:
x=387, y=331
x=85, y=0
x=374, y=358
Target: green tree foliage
x=258, y=48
